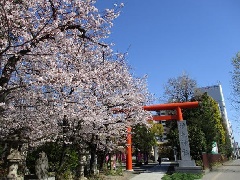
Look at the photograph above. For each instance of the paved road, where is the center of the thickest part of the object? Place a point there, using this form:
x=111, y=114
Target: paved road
x=228, y=171
x=151, y=172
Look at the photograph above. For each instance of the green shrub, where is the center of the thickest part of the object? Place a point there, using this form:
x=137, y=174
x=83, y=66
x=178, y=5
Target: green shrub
x=55, y=152
x=199, y=163
x=113, y=172
x=182, y=176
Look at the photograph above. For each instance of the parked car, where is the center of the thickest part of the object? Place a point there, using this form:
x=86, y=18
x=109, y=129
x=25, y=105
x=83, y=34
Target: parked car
x=164, y=159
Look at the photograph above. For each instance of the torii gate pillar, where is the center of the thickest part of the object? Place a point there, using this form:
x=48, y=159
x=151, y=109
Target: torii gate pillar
x=129, y=150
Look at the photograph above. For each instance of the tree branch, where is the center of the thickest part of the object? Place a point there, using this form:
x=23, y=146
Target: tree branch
x=10, y=66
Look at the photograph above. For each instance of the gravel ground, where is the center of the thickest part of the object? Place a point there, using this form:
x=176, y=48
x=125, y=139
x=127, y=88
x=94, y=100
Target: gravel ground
x=126, y=176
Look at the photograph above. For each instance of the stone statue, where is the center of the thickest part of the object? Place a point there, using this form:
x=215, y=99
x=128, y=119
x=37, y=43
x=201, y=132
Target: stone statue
x=41, y=166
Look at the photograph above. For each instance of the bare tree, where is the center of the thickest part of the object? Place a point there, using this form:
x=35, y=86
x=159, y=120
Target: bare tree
x=236, y=80
x=180, y=89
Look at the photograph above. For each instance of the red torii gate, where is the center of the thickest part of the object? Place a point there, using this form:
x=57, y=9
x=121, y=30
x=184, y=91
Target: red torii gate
x=170, y=106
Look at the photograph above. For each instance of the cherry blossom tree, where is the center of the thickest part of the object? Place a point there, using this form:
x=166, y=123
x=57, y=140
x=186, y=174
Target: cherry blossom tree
x=42, y=47
x=42, y=35
x=111, y=87
x=60, y=79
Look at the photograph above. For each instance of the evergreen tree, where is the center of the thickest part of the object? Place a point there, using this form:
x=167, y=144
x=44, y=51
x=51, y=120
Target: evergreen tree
x=207, y=119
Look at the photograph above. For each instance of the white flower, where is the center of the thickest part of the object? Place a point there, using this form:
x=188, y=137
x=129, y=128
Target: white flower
x=2, y=104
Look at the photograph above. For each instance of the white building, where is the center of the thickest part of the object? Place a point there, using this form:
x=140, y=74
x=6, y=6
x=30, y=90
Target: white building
x=216, y=93
x=163, y=139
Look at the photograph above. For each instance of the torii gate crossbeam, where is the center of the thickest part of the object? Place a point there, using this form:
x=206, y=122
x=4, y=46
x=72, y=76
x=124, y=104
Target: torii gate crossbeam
x=171, y=106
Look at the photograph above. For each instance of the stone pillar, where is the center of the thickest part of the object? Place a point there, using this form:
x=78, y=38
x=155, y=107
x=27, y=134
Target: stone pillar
x=81, y=164
x=24, y=153
x=184, y=145
x=155, y=153
x=96, y=172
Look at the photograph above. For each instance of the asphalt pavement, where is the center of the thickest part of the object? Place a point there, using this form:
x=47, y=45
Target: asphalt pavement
x=151, y=171
x=228, y=171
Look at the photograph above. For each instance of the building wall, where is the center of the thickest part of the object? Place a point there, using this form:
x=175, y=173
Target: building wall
x=165, y=128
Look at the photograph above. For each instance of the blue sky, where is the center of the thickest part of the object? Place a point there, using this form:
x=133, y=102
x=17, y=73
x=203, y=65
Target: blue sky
x=165, y=38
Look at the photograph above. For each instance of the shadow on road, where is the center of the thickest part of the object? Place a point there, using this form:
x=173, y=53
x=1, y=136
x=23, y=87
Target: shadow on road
x=154, y=168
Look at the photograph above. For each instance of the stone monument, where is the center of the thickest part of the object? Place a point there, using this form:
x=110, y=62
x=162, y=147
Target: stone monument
x=186, y=164
x=41, y=166
x=184, y=145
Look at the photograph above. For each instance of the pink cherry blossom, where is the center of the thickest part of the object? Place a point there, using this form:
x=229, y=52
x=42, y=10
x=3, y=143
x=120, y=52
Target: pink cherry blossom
x=56, y=64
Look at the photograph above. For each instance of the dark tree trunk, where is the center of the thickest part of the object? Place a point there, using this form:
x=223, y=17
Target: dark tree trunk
x=101, y=159
x=61, y=162
x=93, y=158
x=145, y=157
x=110, y=161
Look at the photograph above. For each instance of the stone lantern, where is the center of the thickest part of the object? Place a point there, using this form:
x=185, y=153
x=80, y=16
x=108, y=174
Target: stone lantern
x=14, y=157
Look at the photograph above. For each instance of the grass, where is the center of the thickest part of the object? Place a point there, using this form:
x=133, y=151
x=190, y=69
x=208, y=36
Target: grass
x=182, y=176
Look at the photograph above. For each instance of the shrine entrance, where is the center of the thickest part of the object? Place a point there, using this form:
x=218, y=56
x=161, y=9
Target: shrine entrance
x=185, y=163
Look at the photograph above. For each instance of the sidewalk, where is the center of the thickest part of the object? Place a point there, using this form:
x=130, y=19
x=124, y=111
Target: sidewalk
x=156, y=172
x=229, y=170
x=149, y=176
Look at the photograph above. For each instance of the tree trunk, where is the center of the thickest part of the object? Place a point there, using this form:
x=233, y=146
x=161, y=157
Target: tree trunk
x=110, y=161
x=145, y=157
x=136, y=155
x=100, y=160
x=59, y=169
x=93, y=159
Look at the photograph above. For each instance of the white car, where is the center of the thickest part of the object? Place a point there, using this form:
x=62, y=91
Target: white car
x=164, y=159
